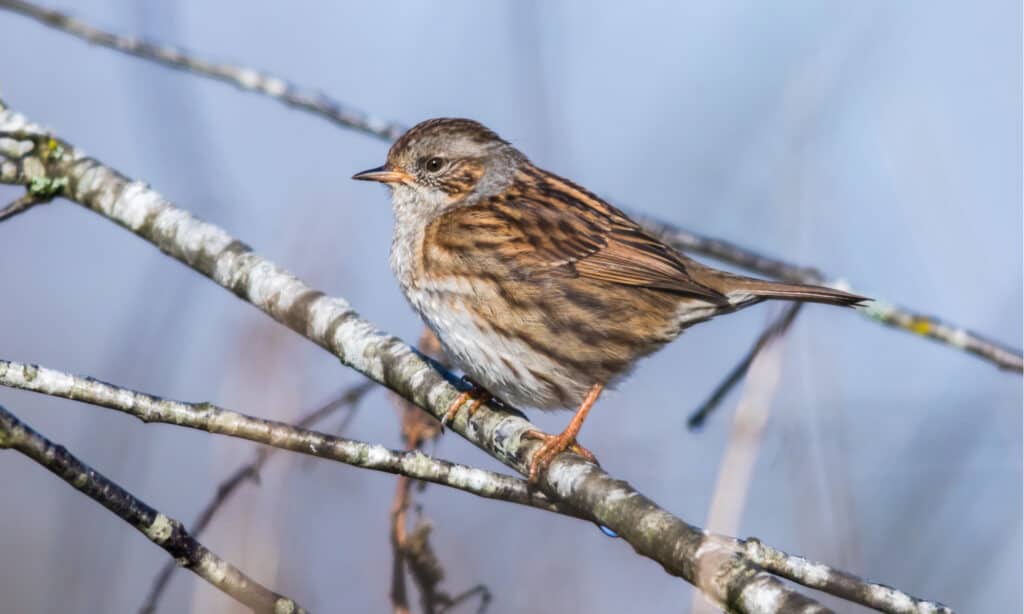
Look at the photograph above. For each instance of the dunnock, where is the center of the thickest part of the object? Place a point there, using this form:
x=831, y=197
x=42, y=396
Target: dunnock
x=541, y=292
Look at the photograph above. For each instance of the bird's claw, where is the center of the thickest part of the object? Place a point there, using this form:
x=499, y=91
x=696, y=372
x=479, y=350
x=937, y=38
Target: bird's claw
x=478, y=395
x=553, y=446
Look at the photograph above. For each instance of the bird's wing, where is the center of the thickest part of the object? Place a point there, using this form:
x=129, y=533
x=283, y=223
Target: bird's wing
x=555, y=228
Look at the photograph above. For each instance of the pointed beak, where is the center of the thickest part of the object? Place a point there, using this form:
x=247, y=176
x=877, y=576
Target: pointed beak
x=383, y=174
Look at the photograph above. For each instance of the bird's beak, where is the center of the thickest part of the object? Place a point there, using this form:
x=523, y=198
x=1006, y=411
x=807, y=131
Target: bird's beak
x=383, y=174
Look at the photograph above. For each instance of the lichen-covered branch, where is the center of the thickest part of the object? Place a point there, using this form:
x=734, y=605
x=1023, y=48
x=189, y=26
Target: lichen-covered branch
x=162, y=530
x=834, y=582
x=714, y=564
x=250, y=471
x=213, y=419
x=345, y=116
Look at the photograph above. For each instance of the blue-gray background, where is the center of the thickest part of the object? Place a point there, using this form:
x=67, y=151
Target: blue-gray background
x=877, y=140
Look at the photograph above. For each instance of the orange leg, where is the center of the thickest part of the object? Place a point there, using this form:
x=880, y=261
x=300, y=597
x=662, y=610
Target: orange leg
x=476, y=393
x=556, y=444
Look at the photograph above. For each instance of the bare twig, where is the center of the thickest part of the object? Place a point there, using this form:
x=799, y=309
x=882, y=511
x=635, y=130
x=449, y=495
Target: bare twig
x=834, y=582
x=251, y=80
x=714, y=564
x=243, y=78
x=904, y=319
x=213, y=419
x=22, y=204
x=775, y=329
x=399, y=593
x=740, y=455
x=413, y=551
x=251, y=471
x=162, y=530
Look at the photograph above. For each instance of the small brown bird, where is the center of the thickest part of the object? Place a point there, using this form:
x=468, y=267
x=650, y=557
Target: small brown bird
x=541, y=292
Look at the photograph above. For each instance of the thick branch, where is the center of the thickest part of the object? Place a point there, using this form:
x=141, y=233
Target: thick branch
x=345, y=116
x=213, y=419
x=713, y=564
x=163, y=531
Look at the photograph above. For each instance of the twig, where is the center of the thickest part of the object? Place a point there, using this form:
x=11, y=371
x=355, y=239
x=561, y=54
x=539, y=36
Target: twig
x=456, y=601
x=716, y=565
x=414, y=551
x=245, y=79
x=399, y=593
x=279, y=89
x=162, y=530
x=901, y=318
x=251, y=471
x=22, y=204
x=775, y=329
x=834, y=582
x=208, y=417
x=740, y=455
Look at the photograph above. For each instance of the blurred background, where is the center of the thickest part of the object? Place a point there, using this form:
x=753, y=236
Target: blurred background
x=878, y=141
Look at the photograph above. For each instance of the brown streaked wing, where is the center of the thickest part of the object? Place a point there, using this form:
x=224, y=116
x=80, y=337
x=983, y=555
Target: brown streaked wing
x=552, y=227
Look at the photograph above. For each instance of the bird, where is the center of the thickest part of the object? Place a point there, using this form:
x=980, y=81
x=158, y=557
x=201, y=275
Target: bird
x=542, y=293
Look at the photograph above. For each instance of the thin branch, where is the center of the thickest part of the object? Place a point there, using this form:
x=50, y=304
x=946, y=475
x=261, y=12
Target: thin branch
x=211, y=418
x=714, y=564
x=834, y=582
x=399, y=594
x=22, y=204
x=740, y=454
x=251, y=471
x=901, y=318
x=163, y=531
x=345, y=116
x=774, y=330
x=413, y=551
x=246, y=79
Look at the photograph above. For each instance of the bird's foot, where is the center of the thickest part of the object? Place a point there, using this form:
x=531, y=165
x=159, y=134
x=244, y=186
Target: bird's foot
x=553, y=446
x=476, y=393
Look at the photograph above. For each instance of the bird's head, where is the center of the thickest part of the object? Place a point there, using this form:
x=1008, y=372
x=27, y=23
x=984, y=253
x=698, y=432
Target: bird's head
x=443, y=163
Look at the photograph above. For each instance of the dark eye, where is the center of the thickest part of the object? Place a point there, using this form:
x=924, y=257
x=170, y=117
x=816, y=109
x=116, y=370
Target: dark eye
x=434, y=164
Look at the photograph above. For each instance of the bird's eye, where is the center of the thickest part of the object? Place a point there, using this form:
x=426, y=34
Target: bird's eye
x=434, y=164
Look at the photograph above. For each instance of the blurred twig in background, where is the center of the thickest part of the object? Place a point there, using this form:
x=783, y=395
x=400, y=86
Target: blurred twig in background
x=741, y=451
x=411, y=551
x=162, y=530
x=349, y=399
x=345, y=116
x=775, y=330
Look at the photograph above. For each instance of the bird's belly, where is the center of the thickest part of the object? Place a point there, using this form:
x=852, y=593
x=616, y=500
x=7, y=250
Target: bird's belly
x=506, y=366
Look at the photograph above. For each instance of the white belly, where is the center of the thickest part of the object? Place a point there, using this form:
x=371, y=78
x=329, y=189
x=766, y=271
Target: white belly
x=507, y=367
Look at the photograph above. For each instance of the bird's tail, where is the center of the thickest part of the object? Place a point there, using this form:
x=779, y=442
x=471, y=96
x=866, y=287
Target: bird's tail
x=749, y=290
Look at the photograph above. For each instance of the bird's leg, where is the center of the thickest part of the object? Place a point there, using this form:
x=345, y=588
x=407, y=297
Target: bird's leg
x=476, y=392
x=556, y=444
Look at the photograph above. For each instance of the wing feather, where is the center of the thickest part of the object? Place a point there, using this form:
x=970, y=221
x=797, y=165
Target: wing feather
x=554, y=228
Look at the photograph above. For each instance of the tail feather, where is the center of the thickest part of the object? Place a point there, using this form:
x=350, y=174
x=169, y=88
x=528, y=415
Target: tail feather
x=762, y=289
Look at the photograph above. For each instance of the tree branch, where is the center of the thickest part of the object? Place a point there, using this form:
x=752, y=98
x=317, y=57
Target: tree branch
x=208, y=417
x=251, y=80
x=716, y=565
x=163, y=531
x=250, y=471
x=834, y=582
x=901, y=318
x=776, y=329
